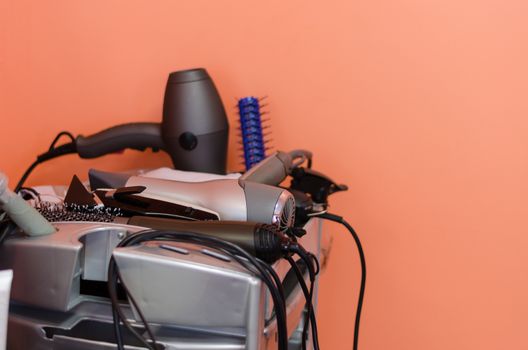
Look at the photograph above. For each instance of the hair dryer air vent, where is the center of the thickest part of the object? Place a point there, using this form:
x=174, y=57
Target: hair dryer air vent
x=284, y=213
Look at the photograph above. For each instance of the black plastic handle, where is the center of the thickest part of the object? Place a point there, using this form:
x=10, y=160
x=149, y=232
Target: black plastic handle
x=138, y=136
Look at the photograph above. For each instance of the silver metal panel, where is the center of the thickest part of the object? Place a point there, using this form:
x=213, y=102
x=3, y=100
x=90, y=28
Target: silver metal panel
x=98, y=247
x=47, y=272
x=187, y=290
x=89, y=326
x=47, y=269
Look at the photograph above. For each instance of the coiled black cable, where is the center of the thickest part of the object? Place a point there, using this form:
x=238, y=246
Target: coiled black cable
x=232, y=250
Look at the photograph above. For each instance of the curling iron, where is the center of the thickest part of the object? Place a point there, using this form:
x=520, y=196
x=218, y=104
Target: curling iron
x=261, y=240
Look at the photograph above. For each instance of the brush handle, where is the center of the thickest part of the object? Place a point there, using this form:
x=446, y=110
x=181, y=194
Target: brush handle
x=251, y=131
x=24, y=215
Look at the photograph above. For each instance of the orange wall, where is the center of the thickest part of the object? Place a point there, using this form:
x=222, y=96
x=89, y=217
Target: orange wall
x=419, y=106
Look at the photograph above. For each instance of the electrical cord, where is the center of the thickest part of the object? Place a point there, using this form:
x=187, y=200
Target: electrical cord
x=279, y=312
x=117, y=313
x=342, y=221
x=248, y=261
x=26, y=175
x=138, y=310
x=59, y=135
x=53, y=152
x=302, y=283
x=277, y=282
x=316, y=262
x=24, y=191
x=117, y=329
x=308, y=261
x=274, y=285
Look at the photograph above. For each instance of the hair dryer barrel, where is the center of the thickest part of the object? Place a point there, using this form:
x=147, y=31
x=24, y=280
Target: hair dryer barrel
x=194, y=126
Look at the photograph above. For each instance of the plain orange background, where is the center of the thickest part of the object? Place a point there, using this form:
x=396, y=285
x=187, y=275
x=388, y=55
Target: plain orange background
x=419, y=106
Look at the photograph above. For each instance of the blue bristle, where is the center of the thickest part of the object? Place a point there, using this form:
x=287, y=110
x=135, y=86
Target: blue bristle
x=251, y=127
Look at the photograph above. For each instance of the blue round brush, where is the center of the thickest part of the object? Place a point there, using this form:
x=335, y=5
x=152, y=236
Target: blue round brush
x=251, y=128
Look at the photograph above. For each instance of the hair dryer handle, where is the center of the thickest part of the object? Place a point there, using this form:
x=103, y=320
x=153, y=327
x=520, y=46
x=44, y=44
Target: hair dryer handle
x=275, y=168
x=138, y=136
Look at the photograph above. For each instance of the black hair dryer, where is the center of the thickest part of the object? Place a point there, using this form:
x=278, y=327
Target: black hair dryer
x=194, y=130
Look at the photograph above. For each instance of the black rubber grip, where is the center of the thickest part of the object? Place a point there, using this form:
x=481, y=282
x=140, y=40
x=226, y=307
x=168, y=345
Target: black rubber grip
x=138, y=136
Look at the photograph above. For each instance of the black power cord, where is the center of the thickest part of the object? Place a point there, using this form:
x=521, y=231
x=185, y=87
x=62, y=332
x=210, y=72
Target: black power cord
x=117, y=313
x=26, y=175
x=309, y=311
x=363, y=263
x=308, y=261
x=248, y=261
x=53, y=152
x=57, y=138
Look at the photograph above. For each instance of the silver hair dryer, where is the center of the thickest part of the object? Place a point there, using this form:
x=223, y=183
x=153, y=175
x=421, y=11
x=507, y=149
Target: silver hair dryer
x=232, y=199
